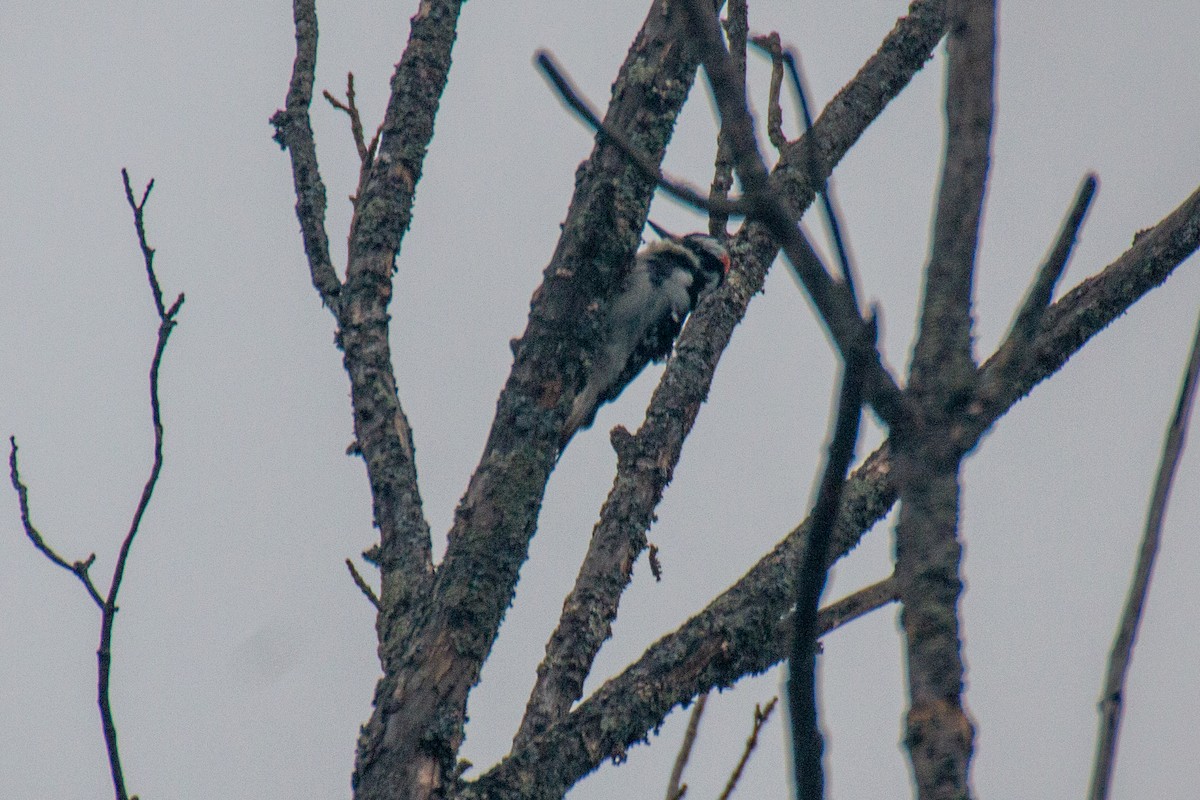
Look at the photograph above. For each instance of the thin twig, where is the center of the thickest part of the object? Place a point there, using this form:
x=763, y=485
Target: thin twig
x=761, y=715
x=362, y=585
x=807, y=743
x=140, y=227
x=351, y=110
x=108, y=603
x=792, y=61
x=1016, y=348
x=1041, y=292
x=1113, y=699
x=737, y=30
x=858, y=604
x=680, y=190
x=675, y=789
x=166, y=323
x=770, y=45
x=781, y=57
x=79, y=568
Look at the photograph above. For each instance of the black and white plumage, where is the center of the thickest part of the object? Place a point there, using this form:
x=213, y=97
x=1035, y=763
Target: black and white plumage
x=664, y=285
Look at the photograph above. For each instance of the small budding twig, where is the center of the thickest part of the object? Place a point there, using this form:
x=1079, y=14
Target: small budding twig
x=761, y=715
x=365, y=153
x=362, y=585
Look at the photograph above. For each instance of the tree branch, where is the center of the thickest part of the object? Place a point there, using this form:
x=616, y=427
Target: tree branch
x=293, y=132
x=676, y=789
x=812, y=573
x=651, y=454
x=408, y=748
x=1016, y=348
x=761, y=715
x=939, y=734
x=1113, y=698
x=737, y=30
x=792, y=61
x=108, y=602
x=737, y=633
x=382, y=214
x=647, y=164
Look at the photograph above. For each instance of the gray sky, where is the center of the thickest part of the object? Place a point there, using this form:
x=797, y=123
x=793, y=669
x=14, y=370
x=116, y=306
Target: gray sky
x=245, y=657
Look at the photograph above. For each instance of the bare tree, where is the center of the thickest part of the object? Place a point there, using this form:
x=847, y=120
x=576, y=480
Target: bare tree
x=437, y=626
x=438, y=620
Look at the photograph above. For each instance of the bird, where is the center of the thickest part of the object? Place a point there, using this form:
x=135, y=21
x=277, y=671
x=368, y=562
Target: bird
x=666, y=281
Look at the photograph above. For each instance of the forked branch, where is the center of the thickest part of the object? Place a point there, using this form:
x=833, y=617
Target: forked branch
x=107, y=603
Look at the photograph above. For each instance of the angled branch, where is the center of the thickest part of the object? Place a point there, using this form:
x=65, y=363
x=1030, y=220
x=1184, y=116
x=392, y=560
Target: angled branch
x=858, y=604
x=293, y=132
x=410, y=742
x=761, y=715
x=680, y=190
x=1112, y=699
x=1041, y=292
x=807, y=742
x=1016, y=347
x=1092, y=305
x=792, y=61
x=108, y=602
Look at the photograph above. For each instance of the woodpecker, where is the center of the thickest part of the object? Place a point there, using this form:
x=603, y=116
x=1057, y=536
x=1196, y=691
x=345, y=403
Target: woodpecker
x=664, y=285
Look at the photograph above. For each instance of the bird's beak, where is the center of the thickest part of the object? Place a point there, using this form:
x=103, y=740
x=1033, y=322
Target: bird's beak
x=662, y=232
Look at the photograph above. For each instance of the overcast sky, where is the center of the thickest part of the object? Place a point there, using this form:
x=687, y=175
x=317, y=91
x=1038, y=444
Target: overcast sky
x=245, y=657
